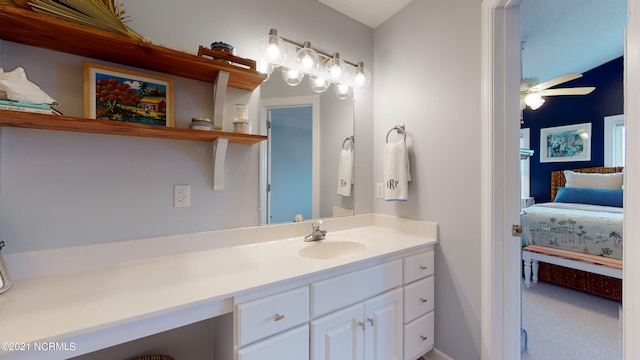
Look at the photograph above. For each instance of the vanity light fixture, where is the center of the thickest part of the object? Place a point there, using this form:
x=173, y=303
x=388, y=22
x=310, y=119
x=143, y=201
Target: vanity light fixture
x=292, y=76
x=273, y=48
x=307, y=58
x=323, y=69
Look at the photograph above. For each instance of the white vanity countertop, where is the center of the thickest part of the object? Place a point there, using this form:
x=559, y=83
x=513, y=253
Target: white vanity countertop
x=88, y=309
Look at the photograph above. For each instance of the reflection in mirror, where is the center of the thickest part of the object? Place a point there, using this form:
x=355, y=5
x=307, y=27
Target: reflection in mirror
x=308, y=135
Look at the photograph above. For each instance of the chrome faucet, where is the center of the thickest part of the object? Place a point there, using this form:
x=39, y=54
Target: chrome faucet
x=316, y=232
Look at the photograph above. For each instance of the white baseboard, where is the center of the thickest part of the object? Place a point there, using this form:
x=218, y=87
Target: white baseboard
x=436, y=354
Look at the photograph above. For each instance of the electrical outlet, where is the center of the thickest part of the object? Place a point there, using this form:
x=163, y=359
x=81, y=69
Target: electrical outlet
x=379, y=190
x=181, y=195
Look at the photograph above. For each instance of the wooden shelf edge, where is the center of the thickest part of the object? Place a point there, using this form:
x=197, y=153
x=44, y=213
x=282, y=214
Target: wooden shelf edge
x=107, y=127
x=30, y=28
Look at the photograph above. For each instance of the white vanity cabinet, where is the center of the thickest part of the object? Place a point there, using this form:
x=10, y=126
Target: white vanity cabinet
x=383, y=311
x=418, y=287
x=368, y=330
x=270, y=315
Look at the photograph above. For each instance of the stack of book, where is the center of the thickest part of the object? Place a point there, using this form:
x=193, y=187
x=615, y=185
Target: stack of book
x=28, y=107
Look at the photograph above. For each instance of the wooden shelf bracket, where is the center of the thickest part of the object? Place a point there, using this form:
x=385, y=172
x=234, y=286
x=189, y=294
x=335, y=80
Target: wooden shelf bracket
x=219, y=154
x=219, y=93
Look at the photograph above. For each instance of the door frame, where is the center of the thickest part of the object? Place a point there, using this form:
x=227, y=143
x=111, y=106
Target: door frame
x=282, y=102
x=500, y=291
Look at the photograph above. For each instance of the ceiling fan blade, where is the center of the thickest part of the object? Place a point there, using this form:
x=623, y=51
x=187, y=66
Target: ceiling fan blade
x=567, y=91
x=555, y=81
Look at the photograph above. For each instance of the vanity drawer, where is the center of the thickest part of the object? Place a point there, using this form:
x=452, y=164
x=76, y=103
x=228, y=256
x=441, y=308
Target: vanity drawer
x=272, y=314
x=418, y=298
x=418, y=337
x=342, y=291
x=291, y=345
x=418, y=266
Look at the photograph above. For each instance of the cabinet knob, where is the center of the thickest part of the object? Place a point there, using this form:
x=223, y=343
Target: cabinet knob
x=423, y=300
x=370, y=320
x=423, y=338
x=279, y=317
x=361, y=324
x=423, y=267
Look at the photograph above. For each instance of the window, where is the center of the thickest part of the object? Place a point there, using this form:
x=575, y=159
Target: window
x=524, y=164
x=614, y=140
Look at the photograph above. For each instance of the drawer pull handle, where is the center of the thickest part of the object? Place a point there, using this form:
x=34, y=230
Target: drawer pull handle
x=361, y=324
x=422, y=267
x=423, y=300
x=279, y=317
x=423, y=338
x=370, y=320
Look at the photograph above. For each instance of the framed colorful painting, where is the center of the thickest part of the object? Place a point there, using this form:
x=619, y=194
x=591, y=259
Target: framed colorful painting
x=566, y=143
x=111, y=93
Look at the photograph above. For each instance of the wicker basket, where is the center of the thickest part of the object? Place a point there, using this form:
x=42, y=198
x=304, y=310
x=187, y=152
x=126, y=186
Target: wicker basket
x=155, y=357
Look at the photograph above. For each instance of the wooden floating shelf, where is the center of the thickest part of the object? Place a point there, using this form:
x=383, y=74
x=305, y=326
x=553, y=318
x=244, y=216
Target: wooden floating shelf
x=30, y=28
x=68, y=123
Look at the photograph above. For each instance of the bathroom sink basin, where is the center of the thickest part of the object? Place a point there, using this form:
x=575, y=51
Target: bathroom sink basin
x=335, y=249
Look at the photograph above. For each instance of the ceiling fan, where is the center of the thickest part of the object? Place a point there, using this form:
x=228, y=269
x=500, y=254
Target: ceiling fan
x=532, y=92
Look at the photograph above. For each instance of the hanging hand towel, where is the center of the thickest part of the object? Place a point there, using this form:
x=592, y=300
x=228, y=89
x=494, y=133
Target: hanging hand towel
x=345, y=172
x=396, y=171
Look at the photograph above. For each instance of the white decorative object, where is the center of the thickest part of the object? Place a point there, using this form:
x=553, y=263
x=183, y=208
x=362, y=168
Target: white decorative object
x=18, y=88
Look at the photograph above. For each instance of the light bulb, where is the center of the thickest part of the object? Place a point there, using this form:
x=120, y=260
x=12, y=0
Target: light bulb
x=264, y=66
x=335, y=67
x=362, y=79
x=273, y=48
x=534, y=101
x=292, y=76
x=343, y=91
x=318, y=83
x=307, y=58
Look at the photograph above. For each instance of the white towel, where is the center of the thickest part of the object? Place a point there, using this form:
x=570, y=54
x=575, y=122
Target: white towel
x=345, y=172
x=396, y=171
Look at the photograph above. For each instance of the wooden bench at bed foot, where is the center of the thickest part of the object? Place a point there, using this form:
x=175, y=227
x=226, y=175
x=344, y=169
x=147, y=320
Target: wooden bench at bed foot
x=590, y=263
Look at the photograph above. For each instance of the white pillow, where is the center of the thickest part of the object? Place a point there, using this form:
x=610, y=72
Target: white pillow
x=594, y=181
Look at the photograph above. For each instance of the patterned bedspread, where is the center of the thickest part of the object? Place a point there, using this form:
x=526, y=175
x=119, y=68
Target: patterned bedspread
x=591, y=229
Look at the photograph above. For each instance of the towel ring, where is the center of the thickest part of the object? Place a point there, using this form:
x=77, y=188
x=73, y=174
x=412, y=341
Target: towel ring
x=400, y=130
x=349, y=139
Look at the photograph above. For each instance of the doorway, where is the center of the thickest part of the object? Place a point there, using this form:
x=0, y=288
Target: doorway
x=289, y=165
x=500, y=82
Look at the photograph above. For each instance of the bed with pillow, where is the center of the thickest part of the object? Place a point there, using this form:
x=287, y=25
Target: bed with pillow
x=585, y=216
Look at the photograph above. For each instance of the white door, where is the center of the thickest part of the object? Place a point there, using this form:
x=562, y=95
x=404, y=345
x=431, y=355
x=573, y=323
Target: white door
x=383, y=326
x=339, y=336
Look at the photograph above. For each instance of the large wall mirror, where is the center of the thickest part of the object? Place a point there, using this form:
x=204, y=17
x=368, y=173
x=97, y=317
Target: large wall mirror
x=300, y=161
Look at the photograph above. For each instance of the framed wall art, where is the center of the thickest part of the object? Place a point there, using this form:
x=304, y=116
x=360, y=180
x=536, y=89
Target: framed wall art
x=112, y=93
x=566, y=143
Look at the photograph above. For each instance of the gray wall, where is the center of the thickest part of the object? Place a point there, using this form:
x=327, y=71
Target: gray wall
x=427, y=65
x=60, y=189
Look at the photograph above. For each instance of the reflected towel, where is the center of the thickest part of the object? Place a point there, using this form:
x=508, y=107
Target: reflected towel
x=396, y=171
x=345, y=172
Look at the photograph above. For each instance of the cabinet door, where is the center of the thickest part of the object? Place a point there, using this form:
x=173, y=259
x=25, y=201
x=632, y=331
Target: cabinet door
x=339, y=336
x=383, y=334
x=291, y=345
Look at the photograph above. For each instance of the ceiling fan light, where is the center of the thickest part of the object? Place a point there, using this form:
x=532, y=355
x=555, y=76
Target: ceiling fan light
x=534, y=101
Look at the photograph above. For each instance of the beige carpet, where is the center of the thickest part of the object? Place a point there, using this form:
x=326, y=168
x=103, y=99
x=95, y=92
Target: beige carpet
x=566, y=324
